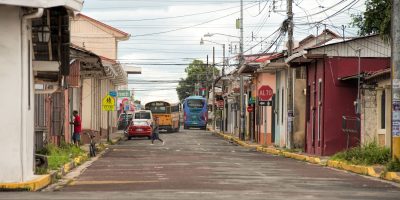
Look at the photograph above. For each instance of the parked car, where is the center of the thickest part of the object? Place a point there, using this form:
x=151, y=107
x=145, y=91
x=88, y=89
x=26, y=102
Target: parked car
x=123, y=120
x=139, y=128
x=144, y=114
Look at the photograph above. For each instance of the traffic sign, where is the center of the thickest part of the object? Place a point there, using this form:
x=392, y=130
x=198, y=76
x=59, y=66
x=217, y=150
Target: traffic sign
x=108, y=103
x=252, y=100
x=124, y=93
x=265, y=93
x=249, y=108
x=265, y=103
x=113, y=93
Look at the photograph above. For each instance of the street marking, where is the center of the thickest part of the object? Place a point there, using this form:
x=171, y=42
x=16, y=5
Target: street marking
x=110, y=182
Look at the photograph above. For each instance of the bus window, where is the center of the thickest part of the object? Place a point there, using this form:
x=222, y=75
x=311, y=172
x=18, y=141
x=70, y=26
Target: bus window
x=195, y=103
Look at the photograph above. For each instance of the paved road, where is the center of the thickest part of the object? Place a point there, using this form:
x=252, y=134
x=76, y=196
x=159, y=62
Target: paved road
x=198, y=165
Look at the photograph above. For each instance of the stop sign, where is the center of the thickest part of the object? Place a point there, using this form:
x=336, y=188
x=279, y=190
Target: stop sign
x=265, y=93
x=249, y=108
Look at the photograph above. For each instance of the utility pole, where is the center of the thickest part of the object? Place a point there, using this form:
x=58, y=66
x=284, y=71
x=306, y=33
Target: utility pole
x=395, y=34
x=223, y=89
x=290, y=101
x=213, y=89
x=206, y=92
x=242, y=126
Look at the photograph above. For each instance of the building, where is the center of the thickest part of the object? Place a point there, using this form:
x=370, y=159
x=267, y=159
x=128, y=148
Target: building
x=333, y=104
x=30, y=45
x=101, y=39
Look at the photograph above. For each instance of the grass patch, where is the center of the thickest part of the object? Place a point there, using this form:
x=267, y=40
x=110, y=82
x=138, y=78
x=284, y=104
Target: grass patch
x=41, y=170
x=393, y=166
x=369, y=154
x=58, y=156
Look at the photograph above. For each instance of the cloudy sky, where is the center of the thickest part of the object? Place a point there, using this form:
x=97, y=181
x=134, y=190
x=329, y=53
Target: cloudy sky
x=165, y=34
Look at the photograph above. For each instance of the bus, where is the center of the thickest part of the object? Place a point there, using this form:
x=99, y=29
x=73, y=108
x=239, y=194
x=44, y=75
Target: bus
x=168, y=114
x=195, y=112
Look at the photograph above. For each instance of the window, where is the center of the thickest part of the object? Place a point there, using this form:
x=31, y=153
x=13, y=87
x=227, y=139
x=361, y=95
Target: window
x=142, y=115
x=383, y=110
x=195, y=103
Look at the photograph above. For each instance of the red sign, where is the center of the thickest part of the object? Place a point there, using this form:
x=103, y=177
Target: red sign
x=249, y=108
x=220, y=103
x=265, y=93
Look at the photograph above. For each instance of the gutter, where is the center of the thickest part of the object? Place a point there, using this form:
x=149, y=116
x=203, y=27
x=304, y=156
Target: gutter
x=26, y=79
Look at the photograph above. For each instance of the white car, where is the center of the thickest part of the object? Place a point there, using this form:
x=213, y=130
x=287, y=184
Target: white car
x=144, y=114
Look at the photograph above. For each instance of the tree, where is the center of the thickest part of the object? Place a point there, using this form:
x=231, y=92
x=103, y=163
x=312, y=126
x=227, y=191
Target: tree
x=375, y=19
x=196, y=78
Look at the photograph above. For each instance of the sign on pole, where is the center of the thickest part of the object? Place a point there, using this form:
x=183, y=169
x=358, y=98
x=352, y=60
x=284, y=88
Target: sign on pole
x=113, y=93
x=265, y=103
x=124, y=93
x=108, y=103
x=265, y=93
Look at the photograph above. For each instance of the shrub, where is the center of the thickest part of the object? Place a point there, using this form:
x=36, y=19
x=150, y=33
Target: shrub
x=58, y=156
x=393, y=166
x=369, y=154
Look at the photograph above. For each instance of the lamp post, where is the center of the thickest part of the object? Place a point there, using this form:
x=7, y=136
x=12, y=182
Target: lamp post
x=213, y=71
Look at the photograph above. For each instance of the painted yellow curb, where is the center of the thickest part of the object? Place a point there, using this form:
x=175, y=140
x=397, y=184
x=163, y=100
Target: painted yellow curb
x=392, y=176
x=352, y=168
x=33, y=185
x=359, y=169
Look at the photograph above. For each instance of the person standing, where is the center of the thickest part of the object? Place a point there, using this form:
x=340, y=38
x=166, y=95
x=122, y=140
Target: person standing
x=156, y=135
x=76, y=137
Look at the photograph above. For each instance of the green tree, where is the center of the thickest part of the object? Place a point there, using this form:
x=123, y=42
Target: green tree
x=375, y=19
x=196, y=76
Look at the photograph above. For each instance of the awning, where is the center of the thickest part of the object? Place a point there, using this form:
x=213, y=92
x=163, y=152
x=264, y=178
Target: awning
x=248, y=68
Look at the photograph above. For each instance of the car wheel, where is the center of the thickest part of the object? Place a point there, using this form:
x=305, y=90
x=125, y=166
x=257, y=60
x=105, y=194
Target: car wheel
x=129, y=138
x=149, y=137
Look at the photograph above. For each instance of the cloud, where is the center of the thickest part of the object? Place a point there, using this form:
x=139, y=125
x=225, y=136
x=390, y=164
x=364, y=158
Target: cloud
x=183, y=45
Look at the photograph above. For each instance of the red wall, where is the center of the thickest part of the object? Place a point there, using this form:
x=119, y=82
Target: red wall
x=338, y=99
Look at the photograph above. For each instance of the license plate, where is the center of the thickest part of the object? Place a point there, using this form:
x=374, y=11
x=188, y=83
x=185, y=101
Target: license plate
x=139, y=129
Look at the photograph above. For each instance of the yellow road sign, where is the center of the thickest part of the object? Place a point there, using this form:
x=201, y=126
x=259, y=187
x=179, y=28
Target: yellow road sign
x=108, y=103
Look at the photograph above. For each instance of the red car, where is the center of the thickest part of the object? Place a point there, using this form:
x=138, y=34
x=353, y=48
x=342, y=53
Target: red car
x=139, y=128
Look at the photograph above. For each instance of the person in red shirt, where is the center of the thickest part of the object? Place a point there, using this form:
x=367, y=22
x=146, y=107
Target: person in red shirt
x=76, y=137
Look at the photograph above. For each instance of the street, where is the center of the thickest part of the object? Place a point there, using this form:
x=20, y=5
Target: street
x=195, y=164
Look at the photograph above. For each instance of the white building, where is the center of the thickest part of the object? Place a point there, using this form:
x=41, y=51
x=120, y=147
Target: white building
x=17, y=82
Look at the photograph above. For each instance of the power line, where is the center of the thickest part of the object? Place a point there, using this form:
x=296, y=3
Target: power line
x=187, y=27
x=163, y=18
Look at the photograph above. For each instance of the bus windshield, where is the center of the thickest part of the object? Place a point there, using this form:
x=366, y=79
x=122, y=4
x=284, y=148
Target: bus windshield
x=195, y=103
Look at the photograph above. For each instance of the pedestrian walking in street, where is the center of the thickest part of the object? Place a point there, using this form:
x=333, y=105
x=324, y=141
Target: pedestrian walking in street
x=156, y=135
x=76, y=137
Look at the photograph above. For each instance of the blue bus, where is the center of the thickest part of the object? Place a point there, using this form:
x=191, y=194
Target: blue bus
x=195, y=112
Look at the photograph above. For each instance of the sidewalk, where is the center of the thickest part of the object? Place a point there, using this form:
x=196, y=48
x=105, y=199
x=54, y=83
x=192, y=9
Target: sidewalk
x=373, y=171
x=42, y=181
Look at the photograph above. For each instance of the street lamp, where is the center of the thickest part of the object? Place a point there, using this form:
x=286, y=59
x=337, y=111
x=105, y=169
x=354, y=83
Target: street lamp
x=212, y=34
x=223, y=72
x=223, y=51
x=43, y=34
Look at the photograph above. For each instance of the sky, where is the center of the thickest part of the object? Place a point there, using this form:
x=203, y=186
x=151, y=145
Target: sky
x=165, y=34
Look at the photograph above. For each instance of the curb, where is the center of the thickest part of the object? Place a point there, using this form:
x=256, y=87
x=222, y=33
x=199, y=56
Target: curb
x=45, y=180
x=33, y=185
x=358, y=169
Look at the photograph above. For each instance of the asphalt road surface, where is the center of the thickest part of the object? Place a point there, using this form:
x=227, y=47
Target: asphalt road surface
x=195, y=164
